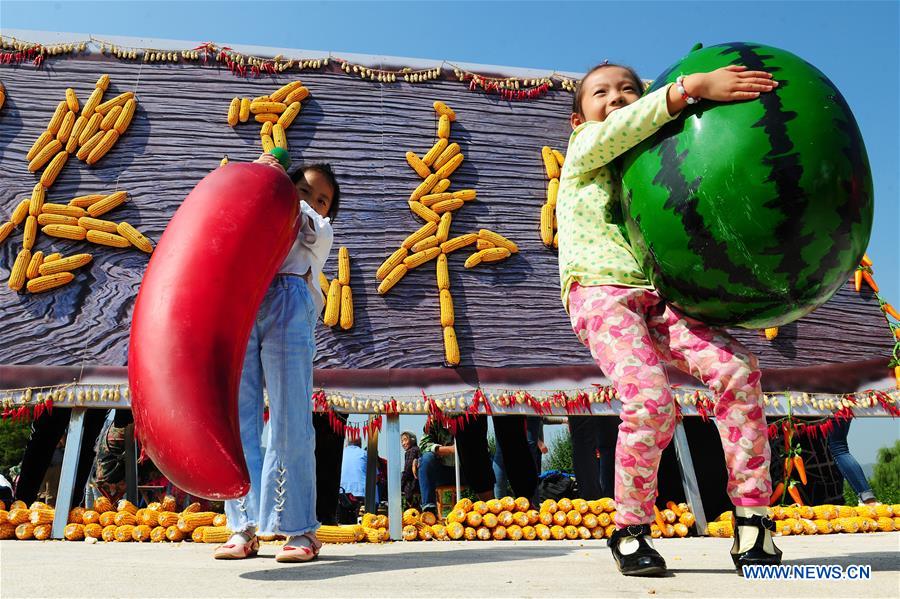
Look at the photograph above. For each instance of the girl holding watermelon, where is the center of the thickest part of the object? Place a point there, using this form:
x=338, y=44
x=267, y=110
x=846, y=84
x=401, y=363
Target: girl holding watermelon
x=630, y=329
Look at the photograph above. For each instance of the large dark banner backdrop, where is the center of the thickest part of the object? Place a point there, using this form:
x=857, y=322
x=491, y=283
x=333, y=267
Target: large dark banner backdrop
x=507, y=315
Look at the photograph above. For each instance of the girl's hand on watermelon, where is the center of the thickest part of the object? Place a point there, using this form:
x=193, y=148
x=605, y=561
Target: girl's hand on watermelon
x=268, y=159
x=729, y=84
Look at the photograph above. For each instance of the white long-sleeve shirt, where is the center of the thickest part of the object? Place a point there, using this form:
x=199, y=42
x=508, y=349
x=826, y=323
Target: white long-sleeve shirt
x=310, y=251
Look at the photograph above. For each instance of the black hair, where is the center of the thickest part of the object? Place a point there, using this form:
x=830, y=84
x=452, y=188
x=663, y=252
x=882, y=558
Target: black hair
x=326, y=171
x=579, y=89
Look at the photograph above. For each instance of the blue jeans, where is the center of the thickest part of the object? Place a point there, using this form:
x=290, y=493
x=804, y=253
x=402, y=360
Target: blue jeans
x=501, y=483
x=846, y=463
x=282, y=497
x=432, y=473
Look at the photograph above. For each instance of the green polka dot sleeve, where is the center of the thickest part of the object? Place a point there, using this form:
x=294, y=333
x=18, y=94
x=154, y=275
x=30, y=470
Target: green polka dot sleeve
x=592, y=249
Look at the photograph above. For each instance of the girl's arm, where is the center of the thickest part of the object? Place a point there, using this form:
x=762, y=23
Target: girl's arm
x=316, y=235
x=597, y=143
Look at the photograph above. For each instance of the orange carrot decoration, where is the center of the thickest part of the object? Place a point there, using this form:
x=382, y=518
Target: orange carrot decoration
x=801, y=469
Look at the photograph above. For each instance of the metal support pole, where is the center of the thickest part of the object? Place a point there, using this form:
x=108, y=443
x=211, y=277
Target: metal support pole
x=395, y=465
x=372, y=469
x=689, y=478
x=131, y=472
x=68, y=472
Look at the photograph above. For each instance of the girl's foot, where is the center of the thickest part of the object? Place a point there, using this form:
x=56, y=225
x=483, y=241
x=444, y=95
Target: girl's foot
x=300, y=548
x=753, y=543
x=634, y=553
x=241, y=545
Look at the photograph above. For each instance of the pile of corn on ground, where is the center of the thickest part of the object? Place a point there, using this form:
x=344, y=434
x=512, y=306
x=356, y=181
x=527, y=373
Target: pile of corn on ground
x=496, y=519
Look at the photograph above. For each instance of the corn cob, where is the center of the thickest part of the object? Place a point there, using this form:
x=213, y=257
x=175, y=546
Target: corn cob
x=109, y=239
x=62, y=210
x=194, y=507
x=93, y=530
x=234, y=112
x=465, y=195
x=57, y=119
x=91, y=127
x=124, y=518
x=455, y=530
x=423, y=531
x=284, y=90
x=551, y=166
x=883, y=511
x=456, y=243
x=443, y=230
x=125, y=116
x=2, y=95
x=109, y=202
x=560, y=157
x=38, y=145
x=135, y=237
x=109, y=533
x=426, y=230
x=113, y=103
x=168, y=504
x=372, y=535
x=266, y=129
x=444, y=110
x=214, y=534
x=443, y=129
x=427, y=243
x=25, y=531
x=157, y=534
x=102, y=82
x=424, y=187
x=489, y=520
x=41, y=516
x=5, y=229
x=424, y=213
x=447, y=318
x=552, y=192
x=126, y=506
x=267, y=108
x=45, y=155
x=420, y=258
x=93, y=101
x=197, y=534
x=279, y=137
x=243, y=109
x=381, y=522
x=433, y=198
x=23, y=208
x=520, y=519
x=74, y=532
x=54, y=168
x=287, y=117
x=17, y=274
x=333, y=304
x=490, y=255
x=547, y=224
x=446, y=155
x=94, y=224
x=191, y=520
x=77, y=129
x=107, y=518
x=445, y=171
x=220, y=520
x=393, y=261
x=451, y=347
x=42, y=532
x=392, y=278
x=173, y=534
x=167, y=519
x=441, y=186
x=469, y=533
x=34, y=264
x=719, y=529
x=150, y=517
x=88, y=146
x=124, y=533
x=337, y=534
x=298, y=95
x=439, y=146
x=108, y=140
x=30, y=233
x=90, y=517
x=268, y=144
x=65, y=128
x=344, y=266
x=447, y=206
x=17, y=516
x=439, y=532
x=410, y=533
x=346, y=319
x=418, y=165
x=110, y=118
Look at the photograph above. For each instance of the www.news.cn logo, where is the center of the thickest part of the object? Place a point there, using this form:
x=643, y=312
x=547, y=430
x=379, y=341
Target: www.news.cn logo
x=801, y=572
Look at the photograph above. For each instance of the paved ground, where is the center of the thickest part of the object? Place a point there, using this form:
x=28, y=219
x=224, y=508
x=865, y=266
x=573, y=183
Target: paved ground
x=701, y=568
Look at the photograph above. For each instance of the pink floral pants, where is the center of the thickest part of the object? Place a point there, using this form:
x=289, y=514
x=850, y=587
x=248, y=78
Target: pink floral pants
x=631, y=332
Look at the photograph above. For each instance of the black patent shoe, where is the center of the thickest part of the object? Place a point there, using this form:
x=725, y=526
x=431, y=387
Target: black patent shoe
x=646, y=561
x=756, y=555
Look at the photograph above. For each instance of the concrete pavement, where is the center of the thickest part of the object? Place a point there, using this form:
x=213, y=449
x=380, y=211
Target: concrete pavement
x=701, y=567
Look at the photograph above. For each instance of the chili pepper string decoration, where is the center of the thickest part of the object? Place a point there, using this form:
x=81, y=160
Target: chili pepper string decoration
x=865, y=273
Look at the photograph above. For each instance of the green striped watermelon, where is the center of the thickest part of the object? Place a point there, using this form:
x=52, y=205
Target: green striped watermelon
x=753, y=213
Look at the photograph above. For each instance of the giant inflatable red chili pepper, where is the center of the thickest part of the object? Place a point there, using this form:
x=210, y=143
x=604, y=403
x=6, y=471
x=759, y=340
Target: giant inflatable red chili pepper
x=192, y=321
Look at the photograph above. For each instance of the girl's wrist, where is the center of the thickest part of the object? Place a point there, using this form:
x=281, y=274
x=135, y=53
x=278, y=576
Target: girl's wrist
x=686, y=90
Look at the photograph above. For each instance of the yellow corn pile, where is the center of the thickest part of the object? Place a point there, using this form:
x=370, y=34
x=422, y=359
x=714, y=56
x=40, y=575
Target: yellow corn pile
x=516, y=519
x=553, y=162
x=275, y=113
x=338, y=295
x=820, y=519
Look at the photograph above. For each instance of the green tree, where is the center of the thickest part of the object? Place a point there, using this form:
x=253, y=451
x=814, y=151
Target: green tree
x=13, y=437
x=886, y=474
x=559, y=454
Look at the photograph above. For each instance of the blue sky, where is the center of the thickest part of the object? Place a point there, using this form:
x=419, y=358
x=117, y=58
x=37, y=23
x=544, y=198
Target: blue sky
x=856, y=44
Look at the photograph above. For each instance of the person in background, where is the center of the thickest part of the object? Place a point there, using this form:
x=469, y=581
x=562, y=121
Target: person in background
x=353, y=468
x=594, y=454
x=329, y=456
x=437, y=464
x=847, y=464
x=534, y=434
x=409, y=480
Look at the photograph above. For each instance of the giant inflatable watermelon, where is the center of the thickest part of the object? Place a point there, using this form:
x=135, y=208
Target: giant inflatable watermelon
x=751, y=213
